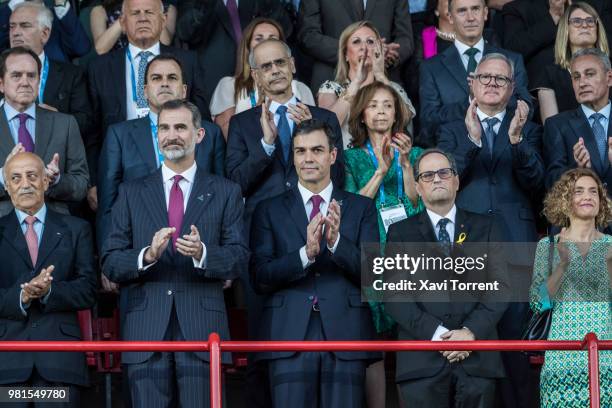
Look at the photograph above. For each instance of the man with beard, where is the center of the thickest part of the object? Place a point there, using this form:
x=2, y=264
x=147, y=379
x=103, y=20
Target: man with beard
x=176, y=236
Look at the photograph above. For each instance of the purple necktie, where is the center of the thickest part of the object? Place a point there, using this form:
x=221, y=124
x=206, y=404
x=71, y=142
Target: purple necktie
x=232, y=9
x=23, y=136
x=316, y=204
x=175, y=209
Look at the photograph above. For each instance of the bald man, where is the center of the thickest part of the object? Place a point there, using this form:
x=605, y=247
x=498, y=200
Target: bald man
x=47, y=277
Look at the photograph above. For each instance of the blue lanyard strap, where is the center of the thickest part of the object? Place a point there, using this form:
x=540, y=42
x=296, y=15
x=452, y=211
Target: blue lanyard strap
x=43, y=80
x=158, y=154
x=400, y=174
x=253, y=100
x=134, y=92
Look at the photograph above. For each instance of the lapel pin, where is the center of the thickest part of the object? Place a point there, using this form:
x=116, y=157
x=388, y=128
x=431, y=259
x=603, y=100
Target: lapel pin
x=201, y=197
x=340, y=203
x=461, y=237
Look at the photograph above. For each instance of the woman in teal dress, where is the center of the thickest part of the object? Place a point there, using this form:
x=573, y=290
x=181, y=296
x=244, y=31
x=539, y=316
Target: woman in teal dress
x=576, y=287
x=379, y=166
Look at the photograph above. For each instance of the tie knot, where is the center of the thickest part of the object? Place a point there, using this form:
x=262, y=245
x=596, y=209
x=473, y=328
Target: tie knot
x=316, y=201
x=597, y=117
x=145, y=54
x=491, y=122
x=23, y=117
x=281, y=110
x=177, y=179
x=470, y=52
x=443, y=222
x=30, y=220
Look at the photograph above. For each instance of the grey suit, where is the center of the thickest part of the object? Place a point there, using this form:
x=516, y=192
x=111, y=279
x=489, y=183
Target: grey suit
x=55, y=133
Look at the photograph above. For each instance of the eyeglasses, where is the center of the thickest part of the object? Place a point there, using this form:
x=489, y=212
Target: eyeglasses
x=267, y=67
x=429, y=176
x=499, y=80
x=578, y=22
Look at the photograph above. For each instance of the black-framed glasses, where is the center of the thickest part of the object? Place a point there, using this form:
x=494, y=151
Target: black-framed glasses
x=429, y=176
x=267, y=67
x=577, y=22
x=499, y=80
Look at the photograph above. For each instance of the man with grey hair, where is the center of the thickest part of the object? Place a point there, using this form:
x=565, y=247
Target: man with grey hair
x=62, y=87
x=67, y=40
x=581, y=137
x=501, y=168
x=176, y=236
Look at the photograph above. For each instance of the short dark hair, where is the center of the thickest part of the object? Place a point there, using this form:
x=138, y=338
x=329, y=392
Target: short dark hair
x=175, y=104
x=164, y=57
x=426, y=152
x=312, y=125
x=17, y=51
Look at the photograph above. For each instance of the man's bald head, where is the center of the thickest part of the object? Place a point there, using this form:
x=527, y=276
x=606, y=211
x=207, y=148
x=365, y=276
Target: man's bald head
x=25, y=181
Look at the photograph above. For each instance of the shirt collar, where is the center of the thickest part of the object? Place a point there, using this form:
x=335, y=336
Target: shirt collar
x=435, y=218
x=462, y=48
x=153, y=117
x=134, y=50
x=41, y=57
x=188, y=175
x=11, y=112
x=604, y=111
x=274, y=105
x=499, y=115
x=325, y=194
x=41, y=215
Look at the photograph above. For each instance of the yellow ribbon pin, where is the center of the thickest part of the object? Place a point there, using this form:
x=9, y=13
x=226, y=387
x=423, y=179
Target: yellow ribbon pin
x=461, y=238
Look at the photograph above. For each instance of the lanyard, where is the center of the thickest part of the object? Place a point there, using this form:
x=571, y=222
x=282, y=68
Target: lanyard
x=158, y=154
x=400, y=174
x=134, y=92
x=43, y=80
x=253, y=100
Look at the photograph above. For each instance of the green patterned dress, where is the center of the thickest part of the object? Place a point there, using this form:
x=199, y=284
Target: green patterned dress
x=564, y=377
x=359, y=170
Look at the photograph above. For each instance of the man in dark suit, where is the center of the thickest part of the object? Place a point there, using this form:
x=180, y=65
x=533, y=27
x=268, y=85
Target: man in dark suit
x=214, y=28
x=581, y=138
x=501, y=169
x=444, y=90
x=53, y=136
x=63, y=86
x=68, y=38
x=321, y=22
x=47, y=277
x=436, y=379
x=309, y=267
x=130, y=149
x=116, y=79
x=176, y=236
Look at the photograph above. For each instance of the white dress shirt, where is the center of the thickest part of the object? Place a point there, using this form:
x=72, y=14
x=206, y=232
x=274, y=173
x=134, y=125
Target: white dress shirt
x=132, y=108
x=185, y=185
x=462, y=48
x=605, y=111
x=269, y=148
x=325, y=194
x=482, y=116
x=450, y=228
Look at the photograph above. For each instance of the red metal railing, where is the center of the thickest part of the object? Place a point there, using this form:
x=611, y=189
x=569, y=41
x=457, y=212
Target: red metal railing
x=215, y=346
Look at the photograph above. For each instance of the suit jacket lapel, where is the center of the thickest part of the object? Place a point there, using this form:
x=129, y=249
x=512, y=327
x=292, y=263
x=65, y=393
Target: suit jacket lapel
x=426, y=229
x=348, y=5
x=6, y=138
x=117, y=73
x=202, y=192
x=55, y=78
x=370, y=6
x=453, y=63
x=15, y=237
x=52, y=235
x=140, y=132
x=462, y=225
x=44, y=128
x=154, y=199
x=224, y=18
x=582, y=128
x=295, y=207
x=246, y=12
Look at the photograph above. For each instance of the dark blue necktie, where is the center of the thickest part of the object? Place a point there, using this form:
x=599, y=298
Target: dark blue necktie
x=284, y=131
x=600, y=135
x=443, y=237
x=490, y=132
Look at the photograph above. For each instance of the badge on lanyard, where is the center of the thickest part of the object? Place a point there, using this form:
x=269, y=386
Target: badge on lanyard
x=391, y=215
x=142, y=112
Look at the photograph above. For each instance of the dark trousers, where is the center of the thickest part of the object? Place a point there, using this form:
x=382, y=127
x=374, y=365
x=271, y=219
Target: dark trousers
x=452, y=387
x=170, y=379
x=311, y=380
x=36, y=380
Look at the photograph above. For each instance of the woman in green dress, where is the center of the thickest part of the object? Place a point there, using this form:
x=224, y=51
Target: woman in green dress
x=576, y=286
x=379, y=166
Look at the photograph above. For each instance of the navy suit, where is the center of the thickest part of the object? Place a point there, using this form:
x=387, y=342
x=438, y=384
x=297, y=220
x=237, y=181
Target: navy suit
x=444, y=92
x=278, y=232
x=128, y=154
x=561, y=133
x=67, y=244
x=173, y=295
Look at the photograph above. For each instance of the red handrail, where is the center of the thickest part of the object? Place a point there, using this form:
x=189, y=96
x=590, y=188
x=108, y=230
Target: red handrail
x=215, y=346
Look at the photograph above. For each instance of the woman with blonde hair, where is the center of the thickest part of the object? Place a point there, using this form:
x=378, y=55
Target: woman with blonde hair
x=571, y=276
x=361, y=61
x=239, y=93
x=579, y=28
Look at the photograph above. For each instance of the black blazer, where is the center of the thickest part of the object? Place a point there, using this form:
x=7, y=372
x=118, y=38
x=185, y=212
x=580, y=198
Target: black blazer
x=501, y=185
x=561, y=133
x=108, y=92
x=128, y=154
x=261, y=176
x=278, y=233
x=419, y=320
x=67, y=244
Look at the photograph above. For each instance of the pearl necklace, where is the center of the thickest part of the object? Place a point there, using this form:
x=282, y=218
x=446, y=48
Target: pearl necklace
x=445, y=36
